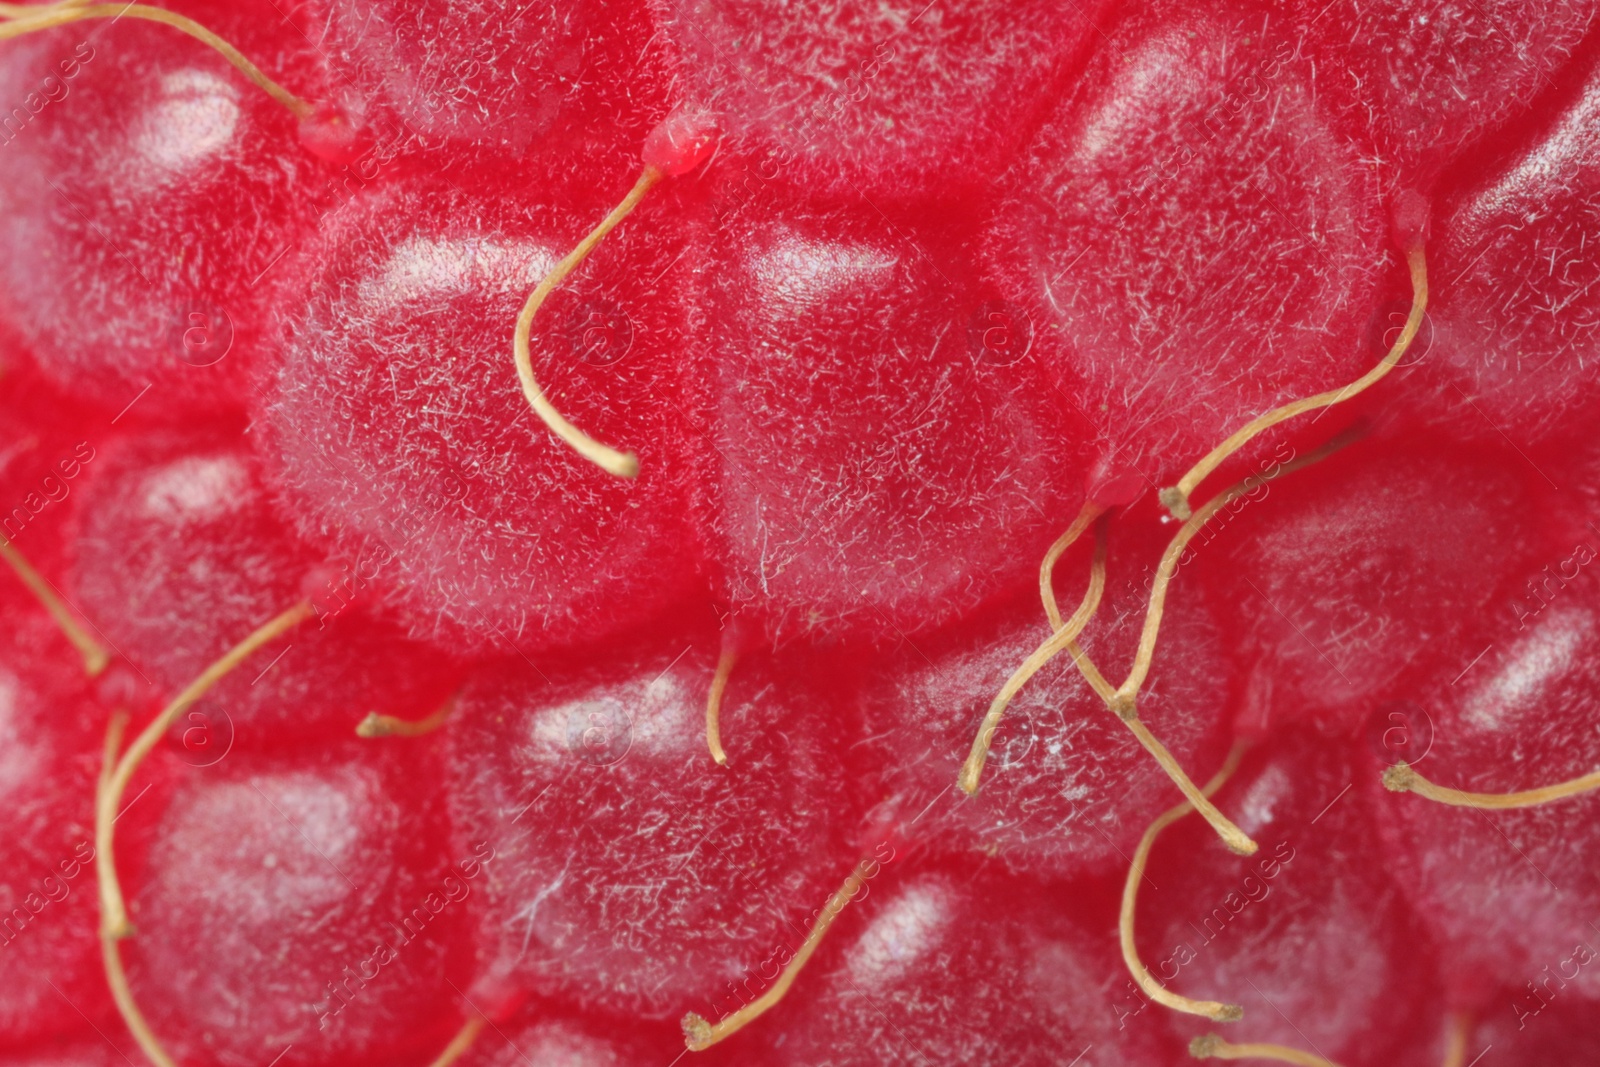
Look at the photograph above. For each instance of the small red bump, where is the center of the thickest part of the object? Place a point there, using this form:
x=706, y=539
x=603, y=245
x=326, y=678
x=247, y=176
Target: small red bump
x=1408, y=222
x=1111, y=488
x=126, y=689
x=332, y=135
x=683, y=140
x=498, y=997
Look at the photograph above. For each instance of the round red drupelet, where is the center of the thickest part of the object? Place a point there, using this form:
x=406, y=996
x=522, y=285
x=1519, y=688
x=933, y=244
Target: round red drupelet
x=1311, y=935
x=634, y=876
x=882, y=100
x=1195, y=238
x=886, y=453
x=51, y=739
x=304, y=905
x=398, y=434
x=1067, y=788
x=179, y=554
x=939, y=968
x=1338, y=579
x=147, y=208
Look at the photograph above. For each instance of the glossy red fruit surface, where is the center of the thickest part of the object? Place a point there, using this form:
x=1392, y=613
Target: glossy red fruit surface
x=1515, y=330
x=304, y=907
x=1311, y=935
x=148, y=206
x=400, y=438
x=1337, y=580
x=635, y=875
x=1067, y=788
x=901, y=286
x=180, y=555
x=1447, y=74
x=506, y=77
x=892, y=99
x=50, y=737
x=878, y=464
x=1193, y=239
x=935, y=968
x=1508, y=894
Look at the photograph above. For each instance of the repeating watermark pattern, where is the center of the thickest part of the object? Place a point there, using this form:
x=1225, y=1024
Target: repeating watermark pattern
x=53, y=888
x=453, y=889
x=207, y=737
x=597, y=332
x=999, y=333
x=1544, y=587
x=200, y=334
x=599, y=732
x=1253, y=889
x=1400, y=730
x=1543, y=990
x=52, y=89
x=54, y=488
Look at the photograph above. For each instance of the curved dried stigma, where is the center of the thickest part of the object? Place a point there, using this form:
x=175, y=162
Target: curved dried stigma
x=1176, y=498
x=1065, y=633
x=1210, y=1046
x=700, y=1035
x=622, y=464
x=21, y=19
x=719, y=685
x=375, y=725
x=1211, y=1009
x=95, y=656
x=1403, y=778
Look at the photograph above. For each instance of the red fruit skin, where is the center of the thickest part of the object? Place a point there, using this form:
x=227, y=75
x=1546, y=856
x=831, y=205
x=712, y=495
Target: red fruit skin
x=146, y=208
x=889, y=100
x=306, y=900
x=879, y=463
x=49, y=446
x=179, y=555
x=635, y=876
x=544, y=1034
x=50, y=738
x=1339, y=580
x=1560, y=1032
x=1194, y=236
x=935, y=968
x=1446, y=75
x=1514, y=323
x=1508, y=894
x=86, y=1049
x=1067, y=789
x=399, y=437
x=1311, y=935
x=501, y=81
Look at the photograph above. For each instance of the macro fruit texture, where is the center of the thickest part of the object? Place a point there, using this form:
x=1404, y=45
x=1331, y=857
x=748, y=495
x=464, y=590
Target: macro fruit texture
x=552, y=532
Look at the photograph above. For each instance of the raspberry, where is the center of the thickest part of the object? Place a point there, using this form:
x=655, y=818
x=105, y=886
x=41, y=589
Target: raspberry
x=933, y=481
x=480, y=526
x=332, y=932
x=181, y=553
x=147, y=212
x=635, y=875
x=752, y=478
x=1233, y=272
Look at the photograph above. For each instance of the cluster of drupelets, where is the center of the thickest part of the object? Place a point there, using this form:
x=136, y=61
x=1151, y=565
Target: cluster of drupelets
x=679, y=145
